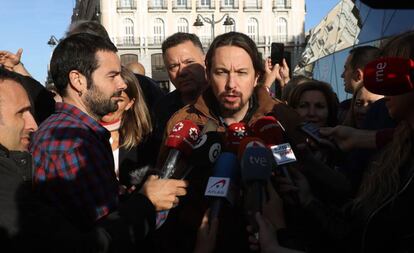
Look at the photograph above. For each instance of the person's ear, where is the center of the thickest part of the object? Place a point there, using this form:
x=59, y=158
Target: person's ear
x=77, y=81
x=358, y=75
x=256, y=79
x=130, y=104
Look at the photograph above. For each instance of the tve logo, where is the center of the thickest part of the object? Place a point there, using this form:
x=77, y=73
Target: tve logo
x=217, y=187
x=259, y=160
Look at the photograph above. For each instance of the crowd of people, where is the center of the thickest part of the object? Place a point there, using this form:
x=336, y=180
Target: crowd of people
x=81, y=160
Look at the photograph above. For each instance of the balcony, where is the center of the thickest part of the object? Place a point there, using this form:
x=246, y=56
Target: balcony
x=286, y=39
x=282, y=4
x=252, y=5
x=126, y=5
x=157, y=6
x=129, y=41
x=181, y=5
x=205, y=5
x=229, y=5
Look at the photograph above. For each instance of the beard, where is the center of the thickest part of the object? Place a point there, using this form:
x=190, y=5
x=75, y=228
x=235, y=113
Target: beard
x=99, y=105
x=229, y=108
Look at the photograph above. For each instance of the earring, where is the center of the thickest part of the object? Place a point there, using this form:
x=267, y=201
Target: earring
x=80, y=93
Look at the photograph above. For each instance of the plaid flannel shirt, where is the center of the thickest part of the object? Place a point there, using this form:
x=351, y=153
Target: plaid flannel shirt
x=74, y=166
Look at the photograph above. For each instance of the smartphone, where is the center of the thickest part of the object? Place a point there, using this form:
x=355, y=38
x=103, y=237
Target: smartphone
x=277, y=52
x=311, y=130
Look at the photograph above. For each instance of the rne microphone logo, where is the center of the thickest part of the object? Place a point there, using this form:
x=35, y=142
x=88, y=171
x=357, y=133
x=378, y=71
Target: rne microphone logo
x=379, y=73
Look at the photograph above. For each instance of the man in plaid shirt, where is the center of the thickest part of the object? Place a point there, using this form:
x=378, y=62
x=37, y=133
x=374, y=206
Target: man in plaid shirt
x=74, y=167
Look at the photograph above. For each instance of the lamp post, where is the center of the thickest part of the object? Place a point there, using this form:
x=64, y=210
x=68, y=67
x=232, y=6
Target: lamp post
x=53, y=41
x=212, y=21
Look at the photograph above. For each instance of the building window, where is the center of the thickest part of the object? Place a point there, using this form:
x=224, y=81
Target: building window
x=159, y=73
x=205, y=3
x=182, y=3
x=252, y=4
x=126, y=3
x=182, y=25
x=253, y=29
x=128, y=32
x=128, y=58
x=158, y=3
x=228, y=3
x=159, y=31
x=282, y=30
x=205, y=35
x=281, y=3
x=230, y=28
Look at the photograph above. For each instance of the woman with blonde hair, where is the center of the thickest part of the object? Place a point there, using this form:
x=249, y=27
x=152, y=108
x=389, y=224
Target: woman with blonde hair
x=130, y=127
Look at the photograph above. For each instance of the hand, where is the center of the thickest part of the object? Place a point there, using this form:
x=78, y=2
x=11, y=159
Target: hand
x=163, y=193
x=348, y=138
x=300, y=188
x=10, y=60
x=207, y=235
x=273, y=209
x=271, y=73
x=284, y=73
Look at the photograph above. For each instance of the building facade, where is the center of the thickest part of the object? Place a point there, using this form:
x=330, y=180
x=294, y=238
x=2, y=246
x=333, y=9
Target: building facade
x=138, y=27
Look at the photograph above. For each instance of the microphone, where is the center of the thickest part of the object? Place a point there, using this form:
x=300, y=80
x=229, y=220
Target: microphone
x=268, y=129
x=234, y=134
x=220, y=186
x=206, y=151
x=180, y=141
x=249, y=142
x=389, y=76
x=256, y=167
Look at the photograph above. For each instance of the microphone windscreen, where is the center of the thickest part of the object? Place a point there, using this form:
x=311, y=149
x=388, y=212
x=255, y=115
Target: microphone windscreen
x=226, y=165
x=268, y=129
x=234, y=134
x=183, y=136
x=389, y=76
x=249, y=142
x=207, y=149
x=256, y=164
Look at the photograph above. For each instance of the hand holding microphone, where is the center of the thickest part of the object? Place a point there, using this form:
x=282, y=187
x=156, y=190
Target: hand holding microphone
x=163, y=193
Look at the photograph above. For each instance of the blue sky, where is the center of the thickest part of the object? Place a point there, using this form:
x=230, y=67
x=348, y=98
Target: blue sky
x=28, y=24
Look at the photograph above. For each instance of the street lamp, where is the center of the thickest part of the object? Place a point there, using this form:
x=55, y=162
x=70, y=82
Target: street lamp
x=53, y=41
x=212, y=22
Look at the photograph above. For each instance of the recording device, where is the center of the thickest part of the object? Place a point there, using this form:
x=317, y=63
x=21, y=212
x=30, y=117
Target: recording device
x=181, y=140
x=234, y=134
x=389, y=76
x=256, y=167
x=220, y=187
x=311, y=130
x=277, y=52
